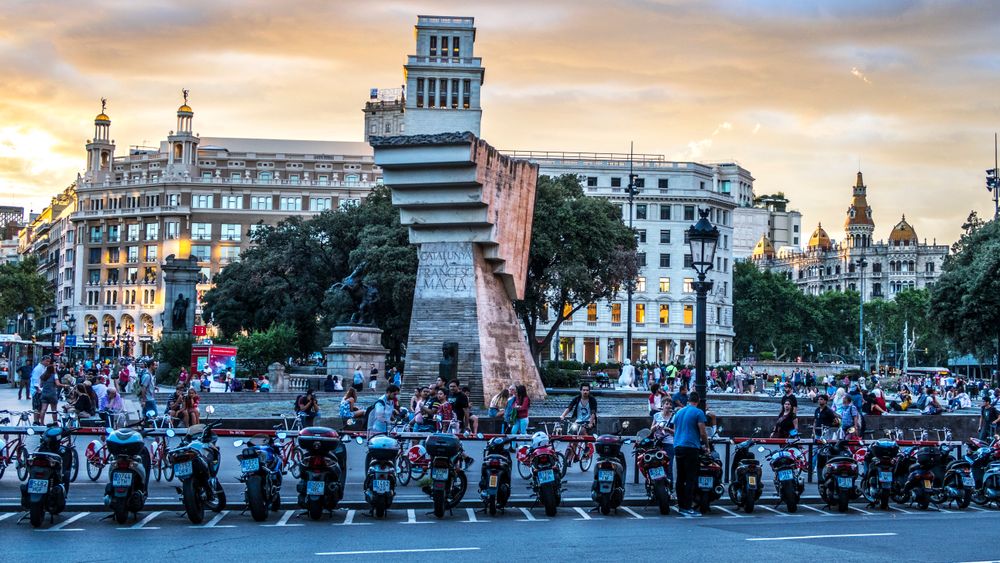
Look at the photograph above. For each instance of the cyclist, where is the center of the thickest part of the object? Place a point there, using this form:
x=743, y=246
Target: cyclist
x=584, y=411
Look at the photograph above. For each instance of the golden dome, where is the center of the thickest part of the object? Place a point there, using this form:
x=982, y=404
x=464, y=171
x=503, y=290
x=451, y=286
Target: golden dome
x=903, y=234
x=764, y=248
x=102, y=118
x=819, y=239
x=185, y=109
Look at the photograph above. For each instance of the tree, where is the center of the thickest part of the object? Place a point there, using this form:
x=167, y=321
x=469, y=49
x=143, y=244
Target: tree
x=21, y=286
x=965, y=301
x=838, y=322
x=882, y=325
x=771, y=314
x=259, y=349
x=174, y=350
x=581, y=252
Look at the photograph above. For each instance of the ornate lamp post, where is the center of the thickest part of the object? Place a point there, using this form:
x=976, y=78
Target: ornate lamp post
x=862, y=354
x=703, y=238
x=632, y=191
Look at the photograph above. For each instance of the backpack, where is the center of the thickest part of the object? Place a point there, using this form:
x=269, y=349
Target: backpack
x=371, y=407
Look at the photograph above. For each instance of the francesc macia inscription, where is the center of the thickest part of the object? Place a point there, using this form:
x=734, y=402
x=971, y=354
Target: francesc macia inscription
x=449, y=270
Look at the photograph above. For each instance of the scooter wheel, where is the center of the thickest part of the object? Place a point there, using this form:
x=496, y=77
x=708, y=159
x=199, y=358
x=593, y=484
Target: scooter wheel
x=662, y=497
x=36, y=514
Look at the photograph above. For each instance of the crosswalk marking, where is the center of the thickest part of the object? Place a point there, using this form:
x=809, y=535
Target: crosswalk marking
x=529, y=517
x=141, y=525
x=6, y=515
x=633, y=513
x=729, y=512
x=61, y=527
x=976, y=508
x=900, y=509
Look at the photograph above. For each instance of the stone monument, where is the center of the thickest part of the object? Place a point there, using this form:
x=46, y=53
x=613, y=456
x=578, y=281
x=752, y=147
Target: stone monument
x=358, y=343
x=180, y=276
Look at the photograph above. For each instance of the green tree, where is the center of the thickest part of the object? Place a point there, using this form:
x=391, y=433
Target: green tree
x=259, y=349
x=882, y=325
x=21, y=286
x=581, y=252
x=965, y=301
x=837, y=322
x=771, y=314
x=174, y=350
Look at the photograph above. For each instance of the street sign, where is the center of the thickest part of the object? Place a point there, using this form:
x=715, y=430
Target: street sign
x=71, y=340
x=199, y=330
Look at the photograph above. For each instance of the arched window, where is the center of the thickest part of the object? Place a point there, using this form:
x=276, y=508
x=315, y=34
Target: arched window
x=178, y=150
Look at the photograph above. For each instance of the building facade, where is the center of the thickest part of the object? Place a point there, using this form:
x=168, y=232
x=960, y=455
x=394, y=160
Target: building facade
x=769, y=216
x=191, y=196
x=899, y=262
x=670, y=193
x=384, y=112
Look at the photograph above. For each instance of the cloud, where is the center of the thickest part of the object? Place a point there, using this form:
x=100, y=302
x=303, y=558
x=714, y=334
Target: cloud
x=861, y=75
x=756, y=128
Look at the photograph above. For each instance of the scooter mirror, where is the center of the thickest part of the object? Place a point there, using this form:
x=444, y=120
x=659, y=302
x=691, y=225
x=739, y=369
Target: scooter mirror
x=238, y=444
x=350, y=422
x=171, y=433
x=359, y=440
x=150, y=413
x=210, y=409
x=30, y=431
x=479, y=436
x=282, y=435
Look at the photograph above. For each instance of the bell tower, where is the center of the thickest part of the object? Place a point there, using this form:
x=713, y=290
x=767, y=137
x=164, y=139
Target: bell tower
x=859, y=226
x=444, y=78
x=182, y=143
x=101, y=149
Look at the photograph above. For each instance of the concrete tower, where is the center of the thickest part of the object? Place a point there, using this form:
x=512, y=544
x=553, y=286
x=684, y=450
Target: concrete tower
x=100, y=150
x=183, y=143
x=443, y=79
x=859, y=226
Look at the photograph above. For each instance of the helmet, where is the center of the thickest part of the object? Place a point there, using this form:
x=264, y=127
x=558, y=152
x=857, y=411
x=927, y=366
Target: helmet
x=496, y=442
x=539, y=440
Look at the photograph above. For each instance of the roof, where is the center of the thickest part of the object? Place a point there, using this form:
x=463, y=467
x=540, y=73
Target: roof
x=764, y=248
x=903, y=232
x=820, y=239
x=288, y=146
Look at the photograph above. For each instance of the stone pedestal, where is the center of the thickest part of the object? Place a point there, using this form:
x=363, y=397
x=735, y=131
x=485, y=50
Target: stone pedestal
x=276, y=375
x=180, y=277
x=352, y=346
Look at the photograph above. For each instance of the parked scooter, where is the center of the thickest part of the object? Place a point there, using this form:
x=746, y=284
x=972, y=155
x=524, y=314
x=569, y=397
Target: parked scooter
x=47, y=486
x=260, y=472
x=380, y=475
x=953, y=479
x=546, y=475
x=877, y=470
x=652, y=461
x=324, y=470
x=838, y=475
x=447, y=468
x=745, y=487
x=709, y=487
x=608, y=489
x=915, y=470
x=196, y=463
x=787, y=463
x=128, y=477
x=984, y=458
x=494, y=478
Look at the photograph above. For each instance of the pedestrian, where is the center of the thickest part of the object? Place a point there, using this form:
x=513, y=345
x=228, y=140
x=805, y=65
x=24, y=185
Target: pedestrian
x=663, y=430
x=373, y=376
x=681, y=397
x=522, y=403
x=147, y=390
x=498, y=401
x=787, y=424
x=307, y=406
x=656, y=396
x=328, y=386
x=690, y=440
x=989, y=417
x=23, y=379
x=49, y=390
x=359, y=379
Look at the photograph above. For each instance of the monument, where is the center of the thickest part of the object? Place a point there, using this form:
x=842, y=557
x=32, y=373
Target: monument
x=358, y=343
x=469, y=208
x=180, y=276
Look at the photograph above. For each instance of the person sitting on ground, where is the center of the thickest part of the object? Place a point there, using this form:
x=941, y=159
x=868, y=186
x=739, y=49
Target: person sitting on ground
x=328, y=386
x=80, y=401
x=933, y=405
x=348, y=406
x=498, y=402
x=308, y=407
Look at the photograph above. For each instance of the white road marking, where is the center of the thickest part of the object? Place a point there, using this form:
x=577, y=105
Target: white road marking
x=214, y=522
x=977, y=509
x=6, y=515
x=61, y=527
x=283, y=521
x=633, y=513
x=776, y=511
x=472, y=516
x=583, y=514
x=411, y=518
x=939, y=509
x=730, y=513
x=822, y=536
x=900, y=509
x=823, y=512
x=375, y=552
x=529, y=517
x=859, y=510
x=141, y=525
x=349, y=520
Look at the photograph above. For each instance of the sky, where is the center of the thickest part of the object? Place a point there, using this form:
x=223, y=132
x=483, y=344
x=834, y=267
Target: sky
x=801, y=93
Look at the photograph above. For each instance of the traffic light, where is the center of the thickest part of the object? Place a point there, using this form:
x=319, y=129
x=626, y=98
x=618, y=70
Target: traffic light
x=992, y=180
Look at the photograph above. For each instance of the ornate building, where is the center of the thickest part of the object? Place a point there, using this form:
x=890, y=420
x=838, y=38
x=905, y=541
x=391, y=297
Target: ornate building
x=877, y=269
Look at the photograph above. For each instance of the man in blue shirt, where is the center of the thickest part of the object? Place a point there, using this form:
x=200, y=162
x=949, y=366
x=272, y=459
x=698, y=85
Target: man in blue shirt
x=690, y=439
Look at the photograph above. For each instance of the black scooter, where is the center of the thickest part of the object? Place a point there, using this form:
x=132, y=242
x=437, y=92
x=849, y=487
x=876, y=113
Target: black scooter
x=48, y=481
x=196, y=463
x=608, y=490
x=745, y=487
x=494, y=478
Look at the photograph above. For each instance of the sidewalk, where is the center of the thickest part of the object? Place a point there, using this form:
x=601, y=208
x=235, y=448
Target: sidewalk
x=9, y=401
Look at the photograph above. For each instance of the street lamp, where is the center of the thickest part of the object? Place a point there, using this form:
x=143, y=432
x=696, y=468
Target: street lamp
x=53, y=324
x=632, y=191
x=703, y=238
x=862, y=355
x=71, y=327
x=993, y=180
x=30, y=315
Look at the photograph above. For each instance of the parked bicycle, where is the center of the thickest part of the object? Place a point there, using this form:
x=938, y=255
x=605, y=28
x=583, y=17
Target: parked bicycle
x=288, y=450
x=580, y=452
x=13, y=450
x=159, y=464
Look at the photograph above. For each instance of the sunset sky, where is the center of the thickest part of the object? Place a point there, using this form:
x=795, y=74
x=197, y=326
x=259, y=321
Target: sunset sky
x=798, y=92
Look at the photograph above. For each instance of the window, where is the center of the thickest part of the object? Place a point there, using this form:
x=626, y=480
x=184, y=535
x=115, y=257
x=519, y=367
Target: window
x=96, y=234
x=725, y=186
x=688, y=285
x=689, y=213
x=202, y=252
x=688, y=261
x=929, y=267
x=95, y=256
x=664, y=314
x=150, y=255
x=201, y=201
x=432, y=92
x=640, y=235
x=173, y=199
x=152, y=231
x=640, y=313
x=201, y=231
x=291, y=203
x=70, y=236
x=454, y=46
x=664, y=236
x=466, y=94
x=132, y=274
x=664, y=212
x=664, y=260
x=69, y=254
x=132, y=232
x=231, y=231
x=114, y=255
x=132, y=254
x=591, y=181
x=454, y=93
x=567, y=312
x=616, y=182
x=320, y=203
x=261, y=202
x=616, y=312
x=434, y=46
x=702, y=185
x=420, y=92
x=232, y=202
x=795, y=228
x=114, y=233
x=640, y=211
x=664, y=285
x=113, y=276
x=94, y=277
x=173, y=230
x=640, y=284
x=592, y=312
x=663, y=183
x=641, y=258
x=229, y=254
x=264, y=176
x=688, y=315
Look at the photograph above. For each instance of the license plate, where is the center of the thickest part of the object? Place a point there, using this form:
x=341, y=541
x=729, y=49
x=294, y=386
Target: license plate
x=605, y=487
x=928, y=484
x=38, y=486
x=786, y=475
x=605, y=475
x=380, y=485
x=439, y=474
x=546, y=476
x=183, y=469
x=249, y=465
x=885, y=477
x=705, y=483
x=752, y=481
x=123, y=479
x=968, y=481
x=656, y=473
x=845, y=482
x=438, y=485
x=315, y=488
x=493, y=481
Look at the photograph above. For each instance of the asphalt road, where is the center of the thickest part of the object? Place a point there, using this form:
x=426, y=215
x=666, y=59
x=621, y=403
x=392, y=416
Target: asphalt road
x=410, y=535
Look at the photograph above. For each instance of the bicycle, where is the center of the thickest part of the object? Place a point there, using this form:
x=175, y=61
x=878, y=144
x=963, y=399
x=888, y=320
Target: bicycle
x=69, y=420
x=582, y=452
x=291, y=455
x=14, y=451
x=402, y=459
x=158, y=448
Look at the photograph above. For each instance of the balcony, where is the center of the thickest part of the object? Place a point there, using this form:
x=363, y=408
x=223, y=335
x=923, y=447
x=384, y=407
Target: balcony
x=215, y=180
x=469, y=62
